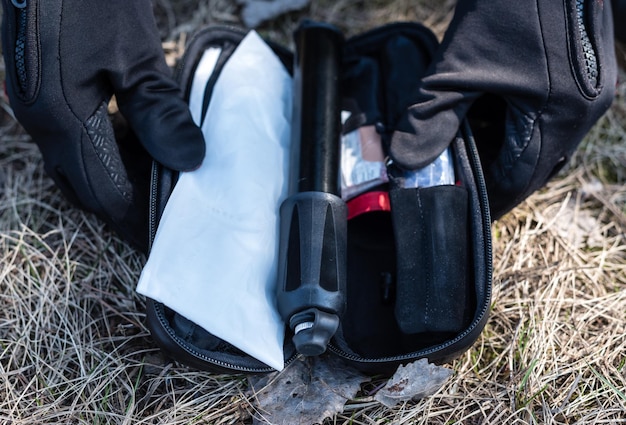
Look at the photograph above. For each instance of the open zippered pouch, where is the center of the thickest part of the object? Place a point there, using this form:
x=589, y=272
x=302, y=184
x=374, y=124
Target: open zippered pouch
x=412, y=269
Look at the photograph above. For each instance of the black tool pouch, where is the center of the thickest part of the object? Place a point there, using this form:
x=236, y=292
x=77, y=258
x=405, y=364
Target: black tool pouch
x=418, y=275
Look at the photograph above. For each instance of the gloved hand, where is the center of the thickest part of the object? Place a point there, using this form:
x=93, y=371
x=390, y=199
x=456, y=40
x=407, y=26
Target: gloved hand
x=64, y=60
x=533, y=76
x=619, y=17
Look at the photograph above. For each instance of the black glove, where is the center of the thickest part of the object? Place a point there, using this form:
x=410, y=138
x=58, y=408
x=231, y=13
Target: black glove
x=619, y=17
x=64, y=60
x=532, y=77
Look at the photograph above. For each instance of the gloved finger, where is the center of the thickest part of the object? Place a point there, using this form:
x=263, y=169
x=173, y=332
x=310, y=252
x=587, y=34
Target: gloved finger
x=475, y=57
x=163, y=123
x=553, y=84
x=427, y=128
x=146, y=93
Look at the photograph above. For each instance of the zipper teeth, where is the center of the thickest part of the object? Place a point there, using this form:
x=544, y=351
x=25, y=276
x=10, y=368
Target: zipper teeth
x=20, y=50
x=163, y=322
x=589, y=54
x=416, y=354
x=154, y=179
x=484, y=200
x=188, y=348
x=152, y=222
x=421, y=353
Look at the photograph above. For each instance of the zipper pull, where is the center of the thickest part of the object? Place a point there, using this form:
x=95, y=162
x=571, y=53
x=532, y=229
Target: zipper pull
x=20, y=4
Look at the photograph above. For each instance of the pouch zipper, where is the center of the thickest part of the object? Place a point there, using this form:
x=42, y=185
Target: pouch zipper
x=225, y=366
x=152, y=207
x=482, y=316
x=190, y=350
x=163, y=322
x=481, y=188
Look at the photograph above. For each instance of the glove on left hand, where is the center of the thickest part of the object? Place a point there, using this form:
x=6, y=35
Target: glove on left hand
x=64, y=60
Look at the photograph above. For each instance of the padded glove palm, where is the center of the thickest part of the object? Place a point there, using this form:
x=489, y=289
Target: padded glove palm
x=532, y=76
x=64, y=60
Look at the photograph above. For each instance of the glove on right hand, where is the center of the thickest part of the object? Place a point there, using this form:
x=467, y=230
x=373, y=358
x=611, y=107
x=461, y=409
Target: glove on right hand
x=539, y=75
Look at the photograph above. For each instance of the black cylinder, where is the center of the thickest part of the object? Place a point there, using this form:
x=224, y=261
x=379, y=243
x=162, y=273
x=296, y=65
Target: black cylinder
x=313, y=233
x=317, y=115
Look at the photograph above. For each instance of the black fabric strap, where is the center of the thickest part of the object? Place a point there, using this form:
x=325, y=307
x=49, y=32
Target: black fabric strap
x=430, y=229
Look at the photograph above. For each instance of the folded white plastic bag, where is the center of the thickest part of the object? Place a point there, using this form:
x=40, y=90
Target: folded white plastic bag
x=214, y=256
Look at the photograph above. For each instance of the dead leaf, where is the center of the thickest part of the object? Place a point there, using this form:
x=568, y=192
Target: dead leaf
x=413, y=382
x=308, y=391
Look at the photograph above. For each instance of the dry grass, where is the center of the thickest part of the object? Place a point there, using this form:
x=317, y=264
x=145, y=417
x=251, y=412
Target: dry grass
x=74, y=349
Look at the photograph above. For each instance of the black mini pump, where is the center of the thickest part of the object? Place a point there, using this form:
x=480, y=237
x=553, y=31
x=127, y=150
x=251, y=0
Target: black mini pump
x=312, y=256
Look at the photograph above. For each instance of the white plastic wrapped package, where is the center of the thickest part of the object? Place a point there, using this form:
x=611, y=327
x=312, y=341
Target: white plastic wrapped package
x=214, y=258
x=440, y=172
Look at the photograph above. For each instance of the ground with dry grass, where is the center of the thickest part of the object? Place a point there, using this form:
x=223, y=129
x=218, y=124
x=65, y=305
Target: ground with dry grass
x=74, y=348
